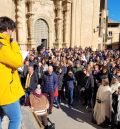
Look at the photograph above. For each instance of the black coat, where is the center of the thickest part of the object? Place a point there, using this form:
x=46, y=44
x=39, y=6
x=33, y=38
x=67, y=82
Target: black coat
x=33, y=82
x=39, y=72
x=89, y=86
x=89, y=82
x=114, y=102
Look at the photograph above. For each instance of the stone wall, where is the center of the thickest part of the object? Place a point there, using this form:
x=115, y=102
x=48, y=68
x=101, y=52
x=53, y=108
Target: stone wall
x=7, y=8
x=85, y=19
x=70, y=22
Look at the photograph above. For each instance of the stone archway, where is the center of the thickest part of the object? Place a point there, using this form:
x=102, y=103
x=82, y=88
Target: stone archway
x=51, y=28
x=41, y=30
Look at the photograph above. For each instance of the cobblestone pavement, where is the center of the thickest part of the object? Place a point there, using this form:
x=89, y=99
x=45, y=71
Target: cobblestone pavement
x=75, y=118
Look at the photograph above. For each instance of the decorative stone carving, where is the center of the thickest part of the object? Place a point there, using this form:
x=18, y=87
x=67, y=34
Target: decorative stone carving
x=59, y=23
x=45, y=2
x=67, y=23
x=20, y=19
x=30, y=21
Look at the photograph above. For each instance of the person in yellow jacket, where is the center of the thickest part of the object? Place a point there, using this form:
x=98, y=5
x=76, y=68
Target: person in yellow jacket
x=10, y=86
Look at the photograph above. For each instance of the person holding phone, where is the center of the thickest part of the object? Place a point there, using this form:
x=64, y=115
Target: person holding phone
x=10, y=86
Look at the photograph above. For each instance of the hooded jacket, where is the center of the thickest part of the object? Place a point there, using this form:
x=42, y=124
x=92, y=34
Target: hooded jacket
x=10, y=60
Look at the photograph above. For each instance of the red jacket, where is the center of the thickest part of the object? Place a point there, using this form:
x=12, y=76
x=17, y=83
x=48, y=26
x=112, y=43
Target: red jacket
x=56, y=92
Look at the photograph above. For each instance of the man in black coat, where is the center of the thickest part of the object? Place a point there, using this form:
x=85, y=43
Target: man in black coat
x=30, y=85
x=31, y=80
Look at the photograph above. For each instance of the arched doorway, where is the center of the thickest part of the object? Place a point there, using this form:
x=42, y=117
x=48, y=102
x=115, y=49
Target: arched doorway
x=41, y=33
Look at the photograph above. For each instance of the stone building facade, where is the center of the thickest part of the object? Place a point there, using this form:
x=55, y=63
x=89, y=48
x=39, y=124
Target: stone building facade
x=113, y=35
x=55, y=23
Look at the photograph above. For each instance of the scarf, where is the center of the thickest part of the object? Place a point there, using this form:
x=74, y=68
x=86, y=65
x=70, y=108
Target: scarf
x=37, y=95
x=27, y=81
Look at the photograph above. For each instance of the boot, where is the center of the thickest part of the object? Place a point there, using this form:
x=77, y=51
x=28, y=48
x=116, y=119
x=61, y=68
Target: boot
x=47, y=127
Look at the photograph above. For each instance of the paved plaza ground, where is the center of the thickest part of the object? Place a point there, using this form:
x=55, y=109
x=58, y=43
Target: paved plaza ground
x=64, y=118
x=75, y=118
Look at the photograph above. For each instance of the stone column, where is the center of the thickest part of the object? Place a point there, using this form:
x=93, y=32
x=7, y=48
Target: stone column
x=59, y=23
x=73, y=26
x=67, y=23
x=30, y=15
x=104, y=28
x=21, y=21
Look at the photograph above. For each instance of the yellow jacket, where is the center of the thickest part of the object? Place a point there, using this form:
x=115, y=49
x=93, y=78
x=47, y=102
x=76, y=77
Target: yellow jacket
x=10, y=59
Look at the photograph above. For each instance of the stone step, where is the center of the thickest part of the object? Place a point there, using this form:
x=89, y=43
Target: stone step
x=29, y=121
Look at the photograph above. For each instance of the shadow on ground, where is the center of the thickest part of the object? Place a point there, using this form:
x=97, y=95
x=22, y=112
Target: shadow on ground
x=79, y=114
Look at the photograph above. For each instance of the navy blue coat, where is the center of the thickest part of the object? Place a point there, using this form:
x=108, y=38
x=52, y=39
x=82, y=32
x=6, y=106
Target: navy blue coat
x=50, y=82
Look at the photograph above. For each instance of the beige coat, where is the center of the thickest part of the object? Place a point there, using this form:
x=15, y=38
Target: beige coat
x=39, y=104
x=103, y=109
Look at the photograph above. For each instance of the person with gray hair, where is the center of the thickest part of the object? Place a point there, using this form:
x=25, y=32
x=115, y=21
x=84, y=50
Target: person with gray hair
x=50, y=82
x=31, y=80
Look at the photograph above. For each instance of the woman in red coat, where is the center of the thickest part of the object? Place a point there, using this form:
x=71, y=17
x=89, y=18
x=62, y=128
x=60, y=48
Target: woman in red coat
x=56, y=98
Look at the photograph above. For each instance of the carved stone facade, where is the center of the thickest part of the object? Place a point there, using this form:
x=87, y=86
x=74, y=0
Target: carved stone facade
x=70, y=22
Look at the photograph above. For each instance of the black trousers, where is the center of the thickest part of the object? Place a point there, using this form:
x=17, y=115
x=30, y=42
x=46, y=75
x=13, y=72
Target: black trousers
x=44, y=120
x=118, y=125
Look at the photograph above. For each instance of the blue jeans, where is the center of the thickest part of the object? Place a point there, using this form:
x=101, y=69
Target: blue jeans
x=70, y=96
x=13, y=112
x=56, y=101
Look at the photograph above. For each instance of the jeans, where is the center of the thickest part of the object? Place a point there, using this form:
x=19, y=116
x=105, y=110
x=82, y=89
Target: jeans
x=60, y=95
x=56, y=101
x=70, y=96
x=12, y=111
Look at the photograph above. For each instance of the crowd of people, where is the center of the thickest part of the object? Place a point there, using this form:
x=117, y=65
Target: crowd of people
x=50, y=76
x=76, y=75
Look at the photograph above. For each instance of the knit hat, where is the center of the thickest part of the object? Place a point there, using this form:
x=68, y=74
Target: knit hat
x=38, y=89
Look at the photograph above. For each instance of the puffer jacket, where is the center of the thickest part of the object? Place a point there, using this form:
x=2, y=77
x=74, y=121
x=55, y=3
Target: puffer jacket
x=10, y=60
